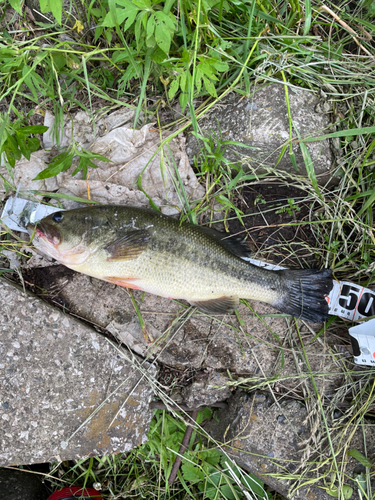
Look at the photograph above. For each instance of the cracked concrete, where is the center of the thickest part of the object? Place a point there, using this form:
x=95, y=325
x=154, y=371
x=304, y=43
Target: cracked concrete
x=66, y=392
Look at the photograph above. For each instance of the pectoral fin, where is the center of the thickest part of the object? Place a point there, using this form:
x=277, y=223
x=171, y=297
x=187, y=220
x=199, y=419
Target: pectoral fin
x=128, y=247
x=222, y=305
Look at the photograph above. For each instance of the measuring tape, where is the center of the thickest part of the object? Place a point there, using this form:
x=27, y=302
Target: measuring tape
x=346, y=300
x=356, y=303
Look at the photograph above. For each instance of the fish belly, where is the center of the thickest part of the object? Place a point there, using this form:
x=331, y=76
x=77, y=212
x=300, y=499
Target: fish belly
x=177, y=278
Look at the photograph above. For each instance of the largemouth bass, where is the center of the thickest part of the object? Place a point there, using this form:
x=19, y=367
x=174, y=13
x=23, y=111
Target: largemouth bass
x=145, y=250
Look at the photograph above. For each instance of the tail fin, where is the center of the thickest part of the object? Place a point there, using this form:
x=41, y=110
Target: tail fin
x=305, y=292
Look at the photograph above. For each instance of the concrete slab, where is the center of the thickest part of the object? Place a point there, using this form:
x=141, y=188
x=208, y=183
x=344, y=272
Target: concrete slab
x=66, y=392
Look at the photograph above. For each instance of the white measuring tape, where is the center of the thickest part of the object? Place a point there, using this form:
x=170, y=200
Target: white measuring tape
x=356, y=303
x=347, y=300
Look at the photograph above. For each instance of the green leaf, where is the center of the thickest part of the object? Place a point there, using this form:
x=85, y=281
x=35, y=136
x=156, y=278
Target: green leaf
x=307, y=17
x=360, y=458
x=26, y=73
x=16, y=5
x=56, y=9
x=11, y=150
x=33, y=129
x=166, y=20
x=142, y=4
x=60, y=163
x=214, y=476
x=207, y=70
x=342, y=133
x=44, y=6
x=209, y=87
x=191, y=473
x=11, y=144
x=96, y=12
x=158, y=55
x=33, y=143
x=22, y=144
x=82, y=165
x=220, y=66
x=361, y=481
x=173, y=89
x=347, y=491
x=227, y=491
x=212, y=457
x=183, y=99
x=138, y=26
x=253, y=483
x=150, y=25
x=183, y=81
x=198, y=79
x=58, y=60
x=162, y=37
x=4, y=121
x=130, y=13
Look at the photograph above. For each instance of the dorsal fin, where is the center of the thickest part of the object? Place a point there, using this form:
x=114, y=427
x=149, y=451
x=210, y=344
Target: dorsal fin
x=129, y=246
x=235, y=244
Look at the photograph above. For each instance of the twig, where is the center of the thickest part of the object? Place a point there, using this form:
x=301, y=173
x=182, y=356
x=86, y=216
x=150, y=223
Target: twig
x=353, y=34
x=183, y=447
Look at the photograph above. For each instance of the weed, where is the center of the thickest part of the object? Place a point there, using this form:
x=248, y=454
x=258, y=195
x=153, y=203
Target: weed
x=16, y=140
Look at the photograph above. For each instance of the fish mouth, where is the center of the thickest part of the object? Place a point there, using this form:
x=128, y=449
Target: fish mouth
x=45, y=232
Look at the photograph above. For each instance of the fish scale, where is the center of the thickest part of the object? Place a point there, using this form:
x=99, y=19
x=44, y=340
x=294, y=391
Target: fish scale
x=149, y=251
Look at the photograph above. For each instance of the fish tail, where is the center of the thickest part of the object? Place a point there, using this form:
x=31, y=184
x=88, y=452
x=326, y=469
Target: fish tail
x=305, y=293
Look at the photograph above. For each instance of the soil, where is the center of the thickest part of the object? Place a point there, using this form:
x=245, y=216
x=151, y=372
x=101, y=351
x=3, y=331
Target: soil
x=266, y=226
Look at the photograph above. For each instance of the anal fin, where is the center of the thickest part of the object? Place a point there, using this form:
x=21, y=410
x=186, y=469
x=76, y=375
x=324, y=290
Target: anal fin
x=221, y=305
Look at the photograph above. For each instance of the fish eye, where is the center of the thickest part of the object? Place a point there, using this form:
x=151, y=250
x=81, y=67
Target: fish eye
x=57, y=216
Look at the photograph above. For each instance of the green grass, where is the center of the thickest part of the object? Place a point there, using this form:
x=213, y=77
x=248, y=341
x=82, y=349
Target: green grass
x=186, y=56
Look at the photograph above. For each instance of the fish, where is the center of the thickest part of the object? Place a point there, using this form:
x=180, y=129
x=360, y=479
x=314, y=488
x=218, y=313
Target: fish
x=145, y=250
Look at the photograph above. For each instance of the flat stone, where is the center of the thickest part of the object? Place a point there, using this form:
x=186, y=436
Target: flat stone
x=207, y=392
x=66, y=392
x=261, y=121
x=272, y=440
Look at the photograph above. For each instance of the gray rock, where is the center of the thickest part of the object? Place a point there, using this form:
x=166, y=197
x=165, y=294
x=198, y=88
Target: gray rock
x=261, y=121
x=275, y=439
x=21, y=485
x=66, y=392
x=207, y=392
x=263, y=439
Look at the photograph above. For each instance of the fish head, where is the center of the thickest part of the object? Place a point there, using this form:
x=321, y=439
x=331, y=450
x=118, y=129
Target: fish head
x=63, y=236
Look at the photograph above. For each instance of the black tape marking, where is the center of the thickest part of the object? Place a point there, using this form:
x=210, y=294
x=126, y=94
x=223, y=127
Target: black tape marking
x=355, y=298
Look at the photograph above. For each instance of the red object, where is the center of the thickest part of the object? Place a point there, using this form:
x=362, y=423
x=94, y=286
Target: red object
x=75, y=492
